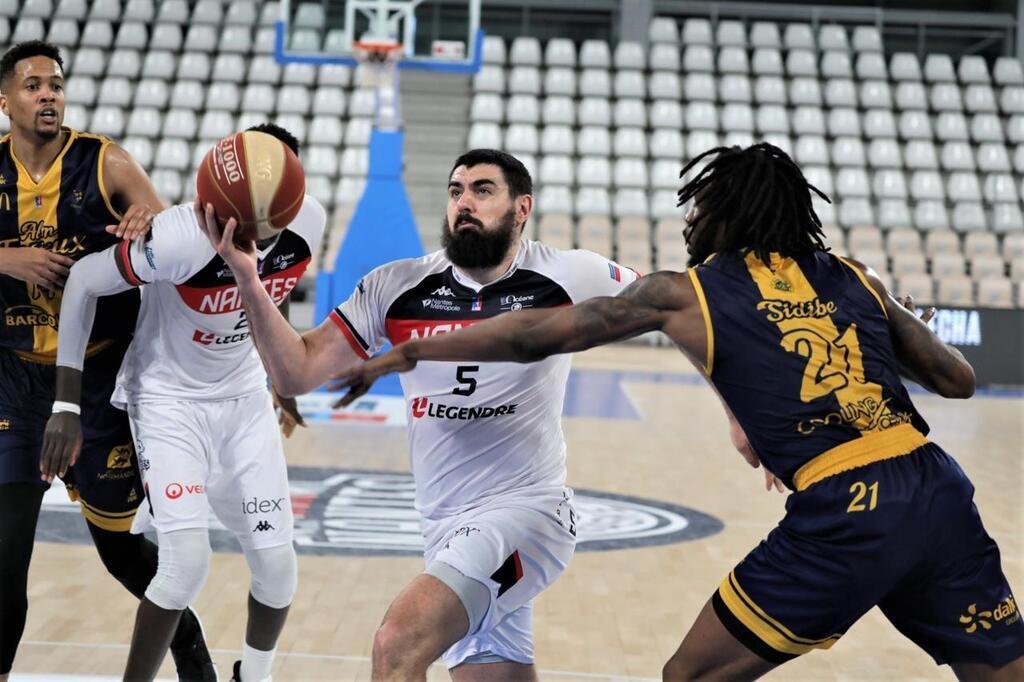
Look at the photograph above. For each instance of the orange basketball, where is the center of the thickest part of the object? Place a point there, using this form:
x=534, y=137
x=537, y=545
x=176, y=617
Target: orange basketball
x=254, y=178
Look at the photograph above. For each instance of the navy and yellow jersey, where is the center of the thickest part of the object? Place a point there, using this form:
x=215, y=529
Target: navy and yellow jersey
x=66, y=212
x=802, y=354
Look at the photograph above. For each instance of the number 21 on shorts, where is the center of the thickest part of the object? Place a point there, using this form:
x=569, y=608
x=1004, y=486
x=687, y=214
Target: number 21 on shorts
x=859, y=490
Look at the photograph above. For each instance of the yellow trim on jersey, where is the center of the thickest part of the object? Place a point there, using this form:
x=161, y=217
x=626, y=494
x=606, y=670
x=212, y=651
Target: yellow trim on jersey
x=835, y=363
x=51, y=358
x=117, y=522
x=115, y=525
x=706, y=312
x=872, y=447
x=867, y=285
x=105, y=144
x=767, y=629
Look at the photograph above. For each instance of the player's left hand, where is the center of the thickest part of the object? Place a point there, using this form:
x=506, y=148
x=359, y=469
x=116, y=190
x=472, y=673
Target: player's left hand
x=62, y=443
x=136, y=222
x=287, y=414
x=359, y=379
x=908, y=303
x=739, y=441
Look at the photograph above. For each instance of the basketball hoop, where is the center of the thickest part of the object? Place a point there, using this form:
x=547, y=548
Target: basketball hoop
x=377, y=60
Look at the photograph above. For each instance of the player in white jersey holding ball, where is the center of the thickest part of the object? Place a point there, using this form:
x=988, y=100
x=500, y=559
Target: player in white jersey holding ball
x=202, y=418
x=486, y=445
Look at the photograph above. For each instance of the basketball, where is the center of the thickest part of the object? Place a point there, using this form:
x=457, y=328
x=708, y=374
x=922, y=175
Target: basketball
x=254, y=178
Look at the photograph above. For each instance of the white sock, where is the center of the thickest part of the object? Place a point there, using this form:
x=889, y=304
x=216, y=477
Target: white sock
x=256, y=664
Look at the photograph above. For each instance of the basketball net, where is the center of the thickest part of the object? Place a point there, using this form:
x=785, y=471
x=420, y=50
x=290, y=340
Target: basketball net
x=378, y=68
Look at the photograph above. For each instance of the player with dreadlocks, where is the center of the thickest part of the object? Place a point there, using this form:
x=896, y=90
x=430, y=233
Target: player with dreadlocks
x=806, y=350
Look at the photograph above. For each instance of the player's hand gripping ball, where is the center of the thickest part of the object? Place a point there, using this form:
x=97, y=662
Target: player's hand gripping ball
x=254, y=178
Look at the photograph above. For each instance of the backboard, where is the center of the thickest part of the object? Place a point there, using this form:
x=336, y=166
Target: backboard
x=438, y=35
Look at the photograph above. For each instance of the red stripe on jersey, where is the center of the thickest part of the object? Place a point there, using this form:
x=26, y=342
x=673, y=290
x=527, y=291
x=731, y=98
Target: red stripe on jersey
x=226, y=299
x=124, y=258
x=348, y=334
x=400, y=331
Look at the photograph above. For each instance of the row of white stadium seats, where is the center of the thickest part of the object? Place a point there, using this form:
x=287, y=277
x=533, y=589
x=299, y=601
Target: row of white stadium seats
x=198, y=66
x=221, y=96
x=848, y=150
x=187, y=124
x=175, y=185
x=698, y=115
x=177, y=154
x=528, y=80
x=697, y=31
x=238, y=12
x=628, y=56
x=851, y=211
x=165, y=65
x=932, y=244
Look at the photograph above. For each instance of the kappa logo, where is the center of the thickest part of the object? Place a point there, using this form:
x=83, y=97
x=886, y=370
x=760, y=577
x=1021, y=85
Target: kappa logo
x=262, y=526
x=443, y=291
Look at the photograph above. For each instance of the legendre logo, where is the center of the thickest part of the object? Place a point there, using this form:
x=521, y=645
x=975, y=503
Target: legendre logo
x=422, y=407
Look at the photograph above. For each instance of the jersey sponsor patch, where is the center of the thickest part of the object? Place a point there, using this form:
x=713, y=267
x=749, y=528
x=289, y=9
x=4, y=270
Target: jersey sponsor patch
x=331, y=507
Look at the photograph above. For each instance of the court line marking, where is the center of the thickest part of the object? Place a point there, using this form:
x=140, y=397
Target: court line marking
x=610, y=677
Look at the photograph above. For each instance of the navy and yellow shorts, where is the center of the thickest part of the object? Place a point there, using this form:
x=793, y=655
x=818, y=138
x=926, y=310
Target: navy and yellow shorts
x=901, y=533
x=105, y=479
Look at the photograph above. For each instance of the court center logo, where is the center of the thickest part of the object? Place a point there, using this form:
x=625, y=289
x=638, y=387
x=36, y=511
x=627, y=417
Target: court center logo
x=372, y=513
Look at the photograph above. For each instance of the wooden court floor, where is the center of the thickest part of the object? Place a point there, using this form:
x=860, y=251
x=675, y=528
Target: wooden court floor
x=615, y=615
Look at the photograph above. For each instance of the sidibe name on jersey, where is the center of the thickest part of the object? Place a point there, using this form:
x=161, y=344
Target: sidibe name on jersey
x=778, y=310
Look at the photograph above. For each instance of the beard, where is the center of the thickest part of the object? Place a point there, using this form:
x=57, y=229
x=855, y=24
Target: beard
x=479, y=248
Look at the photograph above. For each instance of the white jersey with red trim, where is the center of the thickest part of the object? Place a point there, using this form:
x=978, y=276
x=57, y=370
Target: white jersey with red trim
x=192, y=339
x=477, y=431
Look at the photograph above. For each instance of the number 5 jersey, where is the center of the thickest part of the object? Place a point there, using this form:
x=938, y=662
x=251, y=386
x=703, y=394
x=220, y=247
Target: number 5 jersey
x=477, y=431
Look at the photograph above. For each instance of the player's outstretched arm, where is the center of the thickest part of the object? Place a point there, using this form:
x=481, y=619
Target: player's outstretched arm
x=296, y=363
x=533, y=334
x=93, y=276
x=923, y=357
x=132, y=191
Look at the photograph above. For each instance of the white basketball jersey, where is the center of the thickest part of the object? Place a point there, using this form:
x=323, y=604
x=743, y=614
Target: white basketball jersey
x=477, y=430
x=192, y=340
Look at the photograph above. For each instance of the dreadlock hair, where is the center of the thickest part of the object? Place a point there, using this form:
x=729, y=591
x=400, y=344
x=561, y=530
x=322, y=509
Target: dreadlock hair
x=757, y=199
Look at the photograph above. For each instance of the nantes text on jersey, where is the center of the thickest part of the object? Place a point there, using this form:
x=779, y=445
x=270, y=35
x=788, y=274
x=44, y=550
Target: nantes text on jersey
x=802, y=354
x=477, y=430
x=66, y=212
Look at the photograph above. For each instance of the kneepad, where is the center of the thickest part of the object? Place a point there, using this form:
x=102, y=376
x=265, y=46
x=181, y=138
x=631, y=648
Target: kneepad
x=274, y=575
x=184, y=562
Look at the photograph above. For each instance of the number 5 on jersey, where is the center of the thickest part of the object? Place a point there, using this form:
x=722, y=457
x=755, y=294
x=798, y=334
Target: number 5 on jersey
x=467, y=384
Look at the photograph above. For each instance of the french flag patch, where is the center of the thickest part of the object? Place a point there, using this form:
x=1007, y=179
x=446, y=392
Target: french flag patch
x=478, y=304
x=614, y=272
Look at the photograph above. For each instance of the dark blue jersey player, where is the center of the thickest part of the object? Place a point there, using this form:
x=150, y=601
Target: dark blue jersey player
x=59, y=190
x=806, y=350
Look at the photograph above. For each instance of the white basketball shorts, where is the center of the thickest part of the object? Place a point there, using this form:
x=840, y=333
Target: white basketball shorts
x=515, y=546
x=223, y=455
